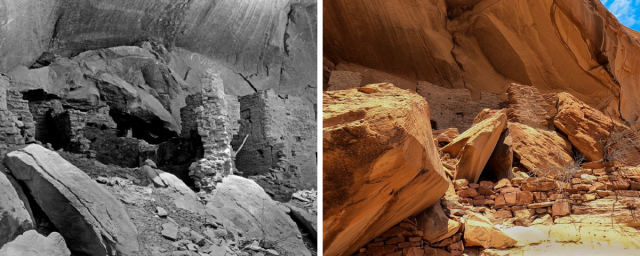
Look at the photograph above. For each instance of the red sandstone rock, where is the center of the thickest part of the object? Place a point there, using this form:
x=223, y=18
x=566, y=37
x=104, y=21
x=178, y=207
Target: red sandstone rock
x=470, y=192
x=377, y=146
x=561, y=207
x=446, y=135
x=524, y=198
x=544, y=152
x=590, y=131
x=475, y=146
x=539, y=186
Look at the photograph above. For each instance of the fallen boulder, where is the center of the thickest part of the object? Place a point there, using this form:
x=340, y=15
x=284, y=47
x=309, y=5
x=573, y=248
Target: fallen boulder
x=592, y=133
x=380, y=163
x=435, y=225
x=474, y=147
x=540, y=151
x=15, y=218
x=90, y=219
x=33, y=244
x=244, y=204
x=479, y=233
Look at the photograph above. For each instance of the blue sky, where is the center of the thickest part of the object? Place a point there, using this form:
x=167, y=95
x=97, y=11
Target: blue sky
x=626, y=11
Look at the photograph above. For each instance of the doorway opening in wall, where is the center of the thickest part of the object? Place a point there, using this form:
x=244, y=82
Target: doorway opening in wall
x=434, y=125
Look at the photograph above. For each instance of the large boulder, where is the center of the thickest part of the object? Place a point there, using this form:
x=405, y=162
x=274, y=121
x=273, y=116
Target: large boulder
x=474, y=147
x=595, y=134
x=244, y=204
x=15, y=217
x=540, y=150
x=33, y=244
x=380, y=163
x=481, y=233
x=90, y=219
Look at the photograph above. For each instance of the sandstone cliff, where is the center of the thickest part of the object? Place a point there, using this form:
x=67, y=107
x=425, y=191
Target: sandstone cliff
x=260, y=45
x=577, y=47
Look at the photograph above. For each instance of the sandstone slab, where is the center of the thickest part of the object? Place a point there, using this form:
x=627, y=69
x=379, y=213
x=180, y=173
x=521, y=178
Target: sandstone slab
x=15, y=217
x=380, y=163
x=435, y=225
x=540, y=151
x=33, y=244
x=477, y=233
x=475, y=146
x=246, y=206
x=88, y=216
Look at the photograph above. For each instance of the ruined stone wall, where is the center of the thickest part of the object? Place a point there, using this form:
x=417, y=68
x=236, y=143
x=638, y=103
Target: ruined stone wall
x=528, y=106
x=282, y=138
x=233, y=113
x=17, y=126
x=454, y=108
x=213, y=128
x=42, y=112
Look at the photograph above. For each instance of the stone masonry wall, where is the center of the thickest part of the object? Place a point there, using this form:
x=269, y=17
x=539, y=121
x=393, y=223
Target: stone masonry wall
x=528, y=106
x=213, y=128
x=453, y=108
x=282, y=138
x=233, y=112
x=17, y=126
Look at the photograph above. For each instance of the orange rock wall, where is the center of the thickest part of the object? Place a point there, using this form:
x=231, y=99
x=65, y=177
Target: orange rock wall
x=563, y=45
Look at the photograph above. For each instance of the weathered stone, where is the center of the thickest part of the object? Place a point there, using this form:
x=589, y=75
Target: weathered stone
x=470, y=192
x=247, y=206
x=62, y=191
x=561, y=207
x=435, y=225
x=540, y=151
x=446, y=135
x=15, y=217
x=170, y=230
x=478, y=233
x=539, y=186
x=589, y=129
x=523, y=198
x=33, y=244
x=473, y=60
x=474, y=147
x=359, y=122
x=342, y=80
x=428, y=251
x=460, y=184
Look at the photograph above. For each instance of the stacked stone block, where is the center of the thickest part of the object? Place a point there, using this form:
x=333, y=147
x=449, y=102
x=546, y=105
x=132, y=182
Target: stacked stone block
x=213, y=128
x=17, y=126
x=528, y=106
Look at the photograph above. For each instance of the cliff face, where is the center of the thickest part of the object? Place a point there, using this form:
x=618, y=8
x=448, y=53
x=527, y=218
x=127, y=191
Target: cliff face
x=484, y=45
x=269, y=44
